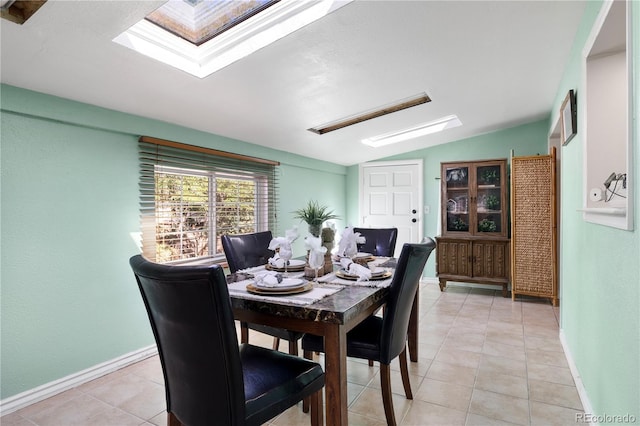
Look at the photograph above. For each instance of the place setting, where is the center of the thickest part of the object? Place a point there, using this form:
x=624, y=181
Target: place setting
x=371, y=274
x=281, y=261
x=282, y=278
x=277, y=284
x=280, y=265
x=357, y=268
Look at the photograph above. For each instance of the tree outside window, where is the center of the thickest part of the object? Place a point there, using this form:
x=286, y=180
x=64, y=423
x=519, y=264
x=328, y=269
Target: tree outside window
x=195, y=208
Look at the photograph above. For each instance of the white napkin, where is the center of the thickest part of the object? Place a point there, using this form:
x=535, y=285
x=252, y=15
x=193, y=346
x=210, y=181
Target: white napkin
x=291, y=234
x=316, y=251
x=285, y=252
x=348, y=245
x=276, y=261
x=268, y=279
x=363, y=273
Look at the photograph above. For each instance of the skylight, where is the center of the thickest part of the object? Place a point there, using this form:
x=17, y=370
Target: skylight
x=198, y=21
x=413, y=132
x=204, y=36
x=416, y=100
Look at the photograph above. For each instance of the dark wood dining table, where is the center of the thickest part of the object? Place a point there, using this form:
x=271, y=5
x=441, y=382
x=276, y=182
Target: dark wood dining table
x=331, y=317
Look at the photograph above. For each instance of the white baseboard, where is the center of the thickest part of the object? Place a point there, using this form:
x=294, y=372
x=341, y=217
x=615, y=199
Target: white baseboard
x=582, y=391
x=21, y=400
x=429, y=280
x=474, y=285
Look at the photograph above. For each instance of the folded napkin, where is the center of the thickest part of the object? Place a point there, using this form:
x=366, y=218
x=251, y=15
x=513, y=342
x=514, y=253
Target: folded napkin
x=363, y=273
x=348, y=245
x=276, y=261
x=268, y=279
x=283, y=244
x=316, y=251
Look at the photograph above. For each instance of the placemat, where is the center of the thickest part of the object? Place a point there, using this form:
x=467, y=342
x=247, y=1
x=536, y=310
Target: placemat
x=262, y=268
x=333, y=279
x=320, y=291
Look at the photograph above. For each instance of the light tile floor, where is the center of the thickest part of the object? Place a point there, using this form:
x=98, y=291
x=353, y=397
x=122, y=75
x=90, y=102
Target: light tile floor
x=483, y=360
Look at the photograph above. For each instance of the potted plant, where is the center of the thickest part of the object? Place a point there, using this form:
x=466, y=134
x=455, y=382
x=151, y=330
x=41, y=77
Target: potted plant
x=490, y=176
x=486, y=225
x=314, y=215
x=492, y=202
x=459, y=225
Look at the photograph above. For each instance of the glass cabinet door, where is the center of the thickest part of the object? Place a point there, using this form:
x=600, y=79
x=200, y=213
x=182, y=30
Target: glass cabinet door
x=490, y=206
x=456, y=193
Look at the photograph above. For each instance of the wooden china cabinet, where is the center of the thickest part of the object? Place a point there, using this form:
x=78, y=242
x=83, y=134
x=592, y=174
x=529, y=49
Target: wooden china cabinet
x=474, y=245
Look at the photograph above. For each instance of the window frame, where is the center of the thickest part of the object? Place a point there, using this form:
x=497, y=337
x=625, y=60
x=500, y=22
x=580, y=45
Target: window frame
x=158, y=156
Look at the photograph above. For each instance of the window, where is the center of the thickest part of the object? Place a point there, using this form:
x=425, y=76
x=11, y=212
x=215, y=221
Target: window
x=191, y=196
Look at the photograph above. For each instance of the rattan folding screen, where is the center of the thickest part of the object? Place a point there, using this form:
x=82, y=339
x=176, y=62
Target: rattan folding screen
x=534, y=227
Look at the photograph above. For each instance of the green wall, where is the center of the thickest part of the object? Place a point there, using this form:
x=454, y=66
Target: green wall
x=599, y=265
x=69, y=197
x=527, y=139
x=68, y=300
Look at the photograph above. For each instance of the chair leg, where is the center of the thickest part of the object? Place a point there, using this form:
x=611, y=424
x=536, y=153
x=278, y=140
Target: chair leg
x=404, y=371
x=293, y=347
x=305, y=402
x=172, y=420
x=244, y=332
x=383, y=310
x=385, y=383
x=316, y=408
x=276, y=343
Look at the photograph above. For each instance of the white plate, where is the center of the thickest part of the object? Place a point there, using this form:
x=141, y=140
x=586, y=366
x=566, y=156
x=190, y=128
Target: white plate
x=293, y=263
x=374, y=273
x=362, y=254
x=378, y=271
x=286, y=284
x=348, y=276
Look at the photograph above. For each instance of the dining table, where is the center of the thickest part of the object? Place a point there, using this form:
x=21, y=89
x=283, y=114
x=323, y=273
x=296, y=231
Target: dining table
x=340, y=306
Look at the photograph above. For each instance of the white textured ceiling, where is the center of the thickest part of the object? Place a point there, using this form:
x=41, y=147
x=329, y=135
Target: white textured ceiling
x=494, y=64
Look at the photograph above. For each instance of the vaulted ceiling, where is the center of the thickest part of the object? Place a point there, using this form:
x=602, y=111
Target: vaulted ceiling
x=494, y=64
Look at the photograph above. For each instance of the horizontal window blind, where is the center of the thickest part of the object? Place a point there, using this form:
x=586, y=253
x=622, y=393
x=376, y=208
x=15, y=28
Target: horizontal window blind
x=190, y=196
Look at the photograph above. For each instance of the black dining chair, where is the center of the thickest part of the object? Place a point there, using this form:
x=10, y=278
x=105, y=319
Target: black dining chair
x=245, y=251
x=378, y=241
x=384, y=338
x=210, y=378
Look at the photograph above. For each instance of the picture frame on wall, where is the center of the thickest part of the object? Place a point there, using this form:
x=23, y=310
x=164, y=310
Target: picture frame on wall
x=569, y=117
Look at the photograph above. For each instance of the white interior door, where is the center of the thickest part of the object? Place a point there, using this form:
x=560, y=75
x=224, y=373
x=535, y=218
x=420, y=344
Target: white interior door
x=391, y=196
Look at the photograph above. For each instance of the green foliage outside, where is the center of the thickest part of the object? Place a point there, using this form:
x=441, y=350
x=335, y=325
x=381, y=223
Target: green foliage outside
x=184, y=213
